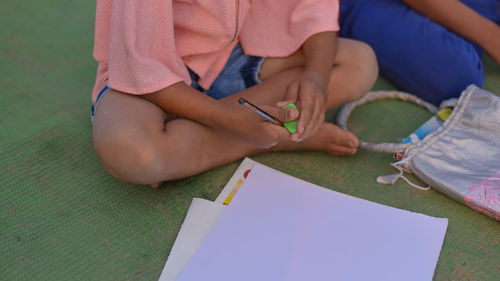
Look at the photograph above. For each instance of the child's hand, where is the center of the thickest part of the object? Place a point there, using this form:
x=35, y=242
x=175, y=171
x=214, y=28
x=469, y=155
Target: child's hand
x=258, y=131
x=310, y=96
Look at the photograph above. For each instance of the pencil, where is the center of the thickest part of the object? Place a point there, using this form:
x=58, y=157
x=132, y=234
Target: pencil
x=259, y=111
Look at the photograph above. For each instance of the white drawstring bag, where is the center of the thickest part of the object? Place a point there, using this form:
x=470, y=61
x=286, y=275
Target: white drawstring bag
x=460, y=159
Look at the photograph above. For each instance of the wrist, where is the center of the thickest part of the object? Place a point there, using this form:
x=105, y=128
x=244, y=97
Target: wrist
x=319, y=75
x=224, y=116
x=319, y=53
x=319, y=78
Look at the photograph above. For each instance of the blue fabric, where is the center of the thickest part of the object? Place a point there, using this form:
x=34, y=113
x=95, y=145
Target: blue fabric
x=104, y=90
x=240, y=72
x=418, y=55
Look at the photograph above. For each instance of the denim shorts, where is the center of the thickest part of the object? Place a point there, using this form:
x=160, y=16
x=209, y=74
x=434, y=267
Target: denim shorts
x=240, y=72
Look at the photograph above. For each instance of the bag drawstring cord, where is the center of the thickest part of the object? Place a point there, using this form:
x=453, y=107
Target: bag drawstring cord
x=393, y=178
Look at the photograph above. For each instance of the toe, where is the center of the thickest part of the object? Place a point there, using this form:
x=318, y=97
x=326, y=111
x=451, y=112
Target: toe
x=155, y=185
x=344, y=138
x=338, y=150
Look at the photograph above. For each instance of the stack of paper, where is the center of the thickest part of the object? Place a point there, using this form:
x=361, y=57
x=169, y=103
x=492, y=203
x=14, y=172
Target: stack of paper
x=278, y=227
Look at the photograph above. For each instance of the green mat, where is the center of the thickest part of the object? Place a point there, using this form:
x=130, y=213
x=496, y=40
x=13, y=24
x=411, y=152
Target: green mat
x=63, y=218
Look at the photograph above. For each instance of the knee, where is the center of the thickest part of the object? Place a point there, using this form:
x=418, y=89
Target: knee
x=128, y=158
x=365, y=66
x=367, y=62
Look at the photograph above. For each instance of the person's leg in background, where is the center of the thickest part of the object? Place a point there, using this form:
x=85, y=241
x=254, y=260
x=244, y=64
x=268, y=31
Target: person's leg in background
x=417, y=54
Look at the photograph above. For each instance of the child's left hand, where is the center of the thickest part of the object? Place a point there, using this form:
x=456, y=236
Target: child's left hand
x=309, y=94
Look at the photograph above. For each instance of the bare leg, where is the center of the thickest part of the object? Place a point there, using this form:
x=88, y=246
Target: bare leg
x=138, y=142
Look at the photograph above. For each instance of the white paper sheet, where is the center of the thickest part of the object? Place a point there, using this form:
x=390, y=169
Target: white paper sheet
x=200, y=219
x=245, y=165
x=281, y=228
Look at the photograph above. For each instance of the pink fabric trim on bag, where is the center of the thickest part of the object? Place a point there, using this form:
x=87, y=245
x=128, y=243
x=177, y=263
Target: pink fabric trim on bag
x=485, y=196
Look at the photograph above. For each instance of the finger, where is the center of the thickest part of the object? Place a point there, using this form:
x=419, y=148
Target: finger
x=281, y=133
x=295, y=137
x=276, y=133
x=291, y=95
x=317, y=119
x=306, y=110
x=313, y=121
x=282, y=114
x=305, y=119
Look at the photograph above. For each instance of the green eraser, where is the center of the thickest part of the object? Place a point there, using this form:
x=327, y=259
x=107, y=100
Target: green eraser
x=291, y=126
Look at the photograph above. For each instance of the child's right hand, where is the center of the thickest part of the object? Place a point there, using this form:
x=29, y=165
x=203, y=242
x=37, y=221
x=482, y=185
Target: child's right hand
x=256, y=130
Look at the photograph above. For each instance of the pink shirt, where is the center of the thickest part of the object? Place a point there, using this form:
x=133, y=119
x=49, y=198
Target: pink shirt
x=143, y=46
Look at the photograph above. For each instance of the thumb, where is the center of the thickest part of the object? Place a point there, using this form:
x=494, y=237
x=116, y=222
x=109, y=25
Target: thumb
x=282, y=114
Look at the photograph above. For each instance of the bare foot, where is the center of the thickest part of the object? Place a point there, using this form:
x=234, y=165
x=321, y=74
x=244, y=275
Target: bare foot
x=330, y=139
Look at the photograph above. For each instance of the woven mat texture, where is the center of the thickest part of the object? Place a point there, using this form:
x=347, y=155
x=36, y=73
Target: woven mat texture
x=63, y=218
